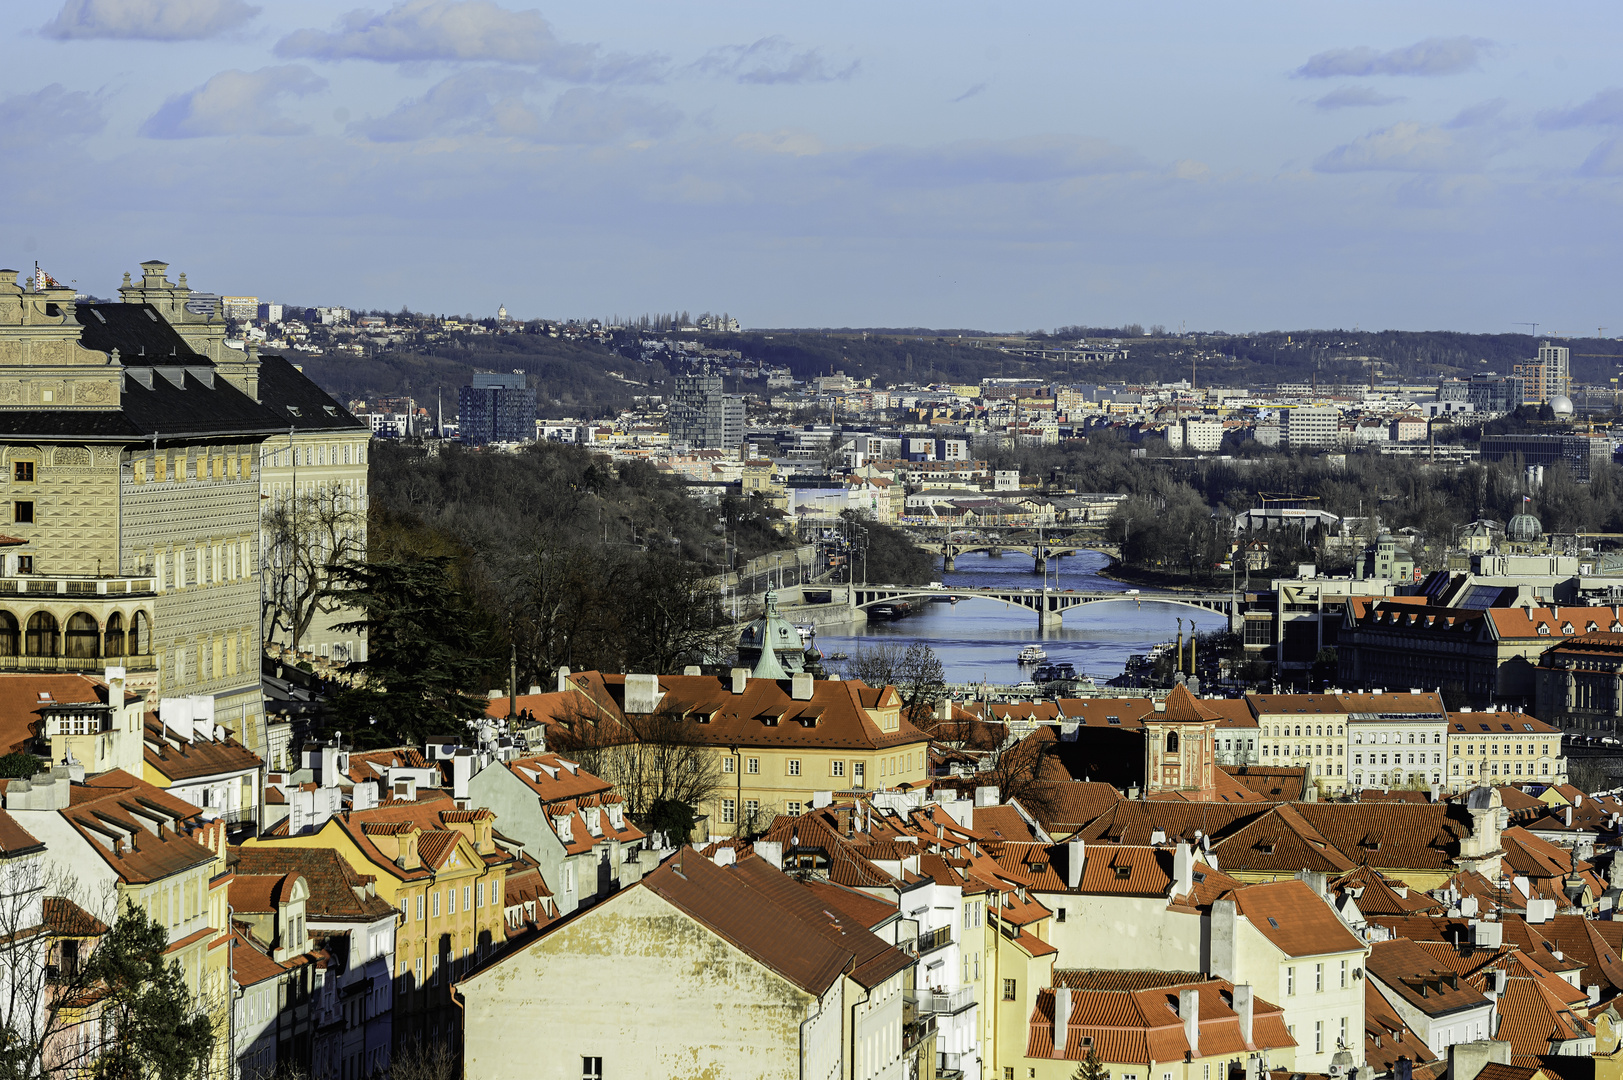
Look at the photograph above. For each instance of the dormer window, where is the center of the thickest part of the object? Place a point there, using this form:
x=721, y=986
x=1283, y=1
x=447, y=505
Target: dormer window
x=293, y=410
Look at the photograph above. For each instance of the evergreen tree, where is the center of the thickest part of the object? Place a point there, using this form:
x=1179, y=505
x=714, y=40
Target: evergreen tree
x=424, y=650
x=1091, y=1068
x=155, y=1026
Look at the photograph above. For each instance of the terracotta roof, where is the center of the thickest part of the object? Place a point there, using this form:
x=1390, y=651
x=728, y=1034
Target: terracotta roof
x=1551, y=622
x=1392, y=836
x=1292, y=916
x=1412, y=973
x=1532, y=1015
x=1280, y=840
x=1136, y=1027
x=1002, y=823
x=868, y=910
x=337, y=892
x=1100, y=979
x=771, y=918
x=188, y=759
x=14, y=839
x=64, y=918
x=1379, y=895
x=133, y=825
x=1386, y=1036
x=1275, y=784
x=1066, y=806
x=21, y=719
x=1134, y=822
x=257, y=894
x=554, y=778
x=250, y=965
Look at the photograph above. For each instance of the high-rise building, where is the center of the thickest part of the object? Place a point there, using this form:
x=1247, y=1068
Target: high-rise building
x=496, y=408
x=1310, y=427
x=271, y=313
x=1548, y=377
x=703, y=416
x=240, y=307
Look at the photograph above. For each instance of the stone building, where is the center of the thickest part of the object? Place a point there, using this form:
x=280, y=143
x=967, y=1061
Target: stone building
x=131, y=439
x=1578, y=684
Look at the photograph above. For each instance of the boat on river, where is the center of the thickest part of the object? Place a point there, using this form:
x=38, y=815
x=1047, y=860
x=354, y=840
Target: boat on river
x=1033, y=654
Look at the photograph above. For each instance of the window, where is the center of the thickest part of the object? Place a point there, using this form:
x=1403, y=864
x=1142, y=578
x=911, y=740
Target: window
x=727, y=764
x=417, y=966
x=419, y=907
x=1318, y=1036
x=591, y=1068
x=1059, y=915
x=1318, y=978
x=1008, y=989
x=751, y=808
x=859, y=771
x=23, y=472
x=479, y=895
x=752, y=765
x=25, y=564
x=1343, y=1041
x=1290, y=981
x=792, y=809
x=22, y=512
x=794, y=766
x=836, y=768
x=436, y=904
x=467, y=895
x=729, y=812
x=450, y=901
x=1344, y=986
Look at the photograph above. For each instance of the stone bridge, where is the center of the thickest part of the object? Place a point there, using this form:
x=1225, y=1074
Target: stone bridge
x=1049, y=604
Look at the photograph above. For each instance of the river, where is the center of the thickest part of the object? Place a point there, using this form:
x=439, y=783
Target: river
x=977, y=640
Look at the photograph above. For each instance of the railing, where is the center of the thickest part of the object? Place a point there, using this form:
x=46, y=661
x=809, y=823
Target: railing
x=916, y=1032
x=35, y=586
x=929, y=1001
x=938, y=938
x=77, y=663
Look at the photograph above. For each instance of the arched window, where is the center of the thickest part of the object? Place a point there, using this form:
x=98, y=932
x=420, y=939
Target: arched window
x=1411, y=737
x=139, y=640
x=1172, y=742
x=115, y=635
x=9, y=638
x=1298, y=730
x=83, y=638
x=41, y=638
x=1319, y=730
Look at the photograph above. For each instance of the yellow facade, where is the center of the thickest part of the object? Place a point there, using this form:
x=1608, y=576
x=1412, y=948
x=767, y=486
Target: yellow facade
x=765, y=781
x=1505, y=757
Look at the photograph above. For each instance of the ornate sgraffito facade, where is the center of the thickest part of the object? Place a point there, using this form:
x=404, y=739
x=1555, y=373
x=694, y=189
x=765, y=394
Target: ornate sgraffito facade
x=130, y=448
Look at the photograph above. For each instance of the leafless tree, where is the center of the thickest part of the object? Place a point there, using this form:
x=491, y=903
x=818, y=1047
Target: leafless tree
x=305, y=536
x=915, y=671
x=652, y=759
x=421, y=1060
x=49, y=1009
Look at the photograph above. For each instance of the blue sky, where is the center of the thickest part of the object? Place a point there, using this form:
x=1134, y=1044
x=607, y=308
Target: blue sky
x=1221, y=166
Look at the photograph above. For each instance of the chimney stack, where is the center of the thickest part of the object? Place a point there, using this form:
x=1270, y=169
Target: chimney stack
x=800, y=686
x=1062, y=1021
x=741, y=678
x=1076, y=853
x=1244, y=1010
x=1189, y=1013
x=1183, y=870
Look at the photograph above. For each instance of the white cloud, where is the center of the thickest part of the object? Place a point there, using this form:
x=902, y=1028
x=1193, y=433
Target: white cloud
x=235, y=103
x=1353, y=97
x=415, y=31
x=493, y=102
x=1605, y=160
x=49, y=116
x=773, y=60
x=1405, y=147
x=1605, y=109
x=152, y=20
x=1433, y=56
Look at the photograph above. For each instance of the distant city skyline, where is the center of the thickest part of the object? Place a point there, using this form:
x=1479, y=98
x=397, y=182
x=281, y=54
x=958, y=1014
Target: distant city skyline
x=1274, y=166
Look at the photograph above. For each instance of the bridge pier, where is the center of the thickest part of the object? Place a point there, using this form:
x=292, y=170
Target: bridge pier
x=1050, y=620
x=995, y=552
x=948, y=562
x=1039, y=562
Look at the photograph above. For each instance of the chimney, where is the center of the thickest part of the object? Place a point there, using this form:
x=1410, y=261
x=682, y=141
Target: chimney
x=1189, y=1013
x=741, y=678
x=1488, y=935
x=1183, y=870
x=642, y=695
x=771, y=851
x=800, y=687
x=461, y=774
x=1243, y=1009
x=1062, y=1021
x=1076, y=854
x=1466, y=1060
x=535, y=689
x=1225, y=929
x=563, y=679
x=1317, y=880
x=725, y=856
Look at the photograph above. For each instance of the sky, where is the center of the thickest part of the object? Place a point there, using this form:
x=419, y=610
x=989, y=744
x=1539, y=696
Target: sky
x=1235, y=167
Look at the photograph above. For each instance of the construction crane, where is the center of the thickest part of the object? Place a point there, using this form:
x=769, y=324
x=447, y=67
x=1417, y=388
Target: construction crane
x=1534, y=325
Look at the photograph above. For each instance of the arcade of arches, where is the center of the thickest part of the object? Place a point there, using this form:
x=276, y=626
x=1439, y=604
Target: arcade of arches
x=79, y=638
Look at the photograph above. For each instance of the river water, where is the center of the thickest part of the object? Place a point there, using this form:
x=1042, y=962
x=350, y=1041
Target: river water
x=978, y=640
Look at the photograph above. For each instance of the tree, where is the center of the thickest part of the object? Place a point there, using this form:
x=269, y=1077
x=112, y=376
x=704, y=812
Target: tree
x=654, y=761
x=306, y=537
x=160, y=1031
x=1091, y=1068
x=18, y=765
x=425, y=653
x=915, y=672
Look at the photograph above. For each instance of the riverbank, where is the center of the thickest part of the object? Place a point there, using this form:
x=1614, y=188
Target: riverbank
x=1170, y=581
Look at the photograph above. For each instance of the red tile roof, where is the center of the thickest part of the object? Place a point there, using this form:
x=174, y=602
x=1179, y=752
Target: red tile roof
x=1292, y=916
x=1137, y=1027
x=21, y=721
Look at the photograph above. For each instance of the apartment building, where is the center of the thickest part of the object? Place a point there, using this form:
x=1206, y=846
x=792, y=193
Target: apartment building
x=1502, y=748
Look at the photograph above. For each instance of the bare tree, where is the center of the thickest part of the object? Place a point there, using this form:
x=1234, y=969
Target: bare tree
x=421, y=1060
x=304, y=537
x=915, y=671
x=654, y=761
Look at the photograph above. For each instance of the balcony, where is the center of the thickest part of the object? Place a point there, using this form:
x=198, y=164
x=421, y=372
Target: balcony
x=94, y=664
x=939, y=938
x=916, y=1032
x=928, y=1002
x=62, y=586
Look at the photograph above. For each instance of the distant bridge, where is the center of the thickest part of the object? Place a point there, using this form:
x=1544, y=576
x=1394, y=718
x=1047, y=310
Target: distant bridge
x=1049, y=604
x=1041, y=544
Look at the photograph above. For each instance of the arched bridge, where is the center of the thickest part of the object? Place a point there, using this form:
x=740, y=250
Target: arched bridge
x=1049, y=604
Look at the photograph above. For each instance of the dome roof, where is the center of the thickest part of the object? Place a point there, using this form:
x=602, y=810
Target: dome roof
x=772, y=634
x=1524, y=528
x=1561, y=405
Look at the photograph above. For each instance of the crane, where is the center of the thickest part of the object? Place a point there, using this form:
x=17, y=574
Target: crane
x=1534, y=325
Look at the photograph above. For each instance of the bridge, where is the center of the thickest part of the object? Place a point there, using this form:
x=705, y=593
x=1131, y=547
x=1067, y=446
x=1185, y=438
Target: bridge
x=1041, y=544
x=1049, y=604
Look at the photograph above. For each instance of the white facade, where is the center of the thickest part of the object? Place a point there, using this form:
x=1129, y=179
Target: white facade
x=1307, y=426
x=1395, y=752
